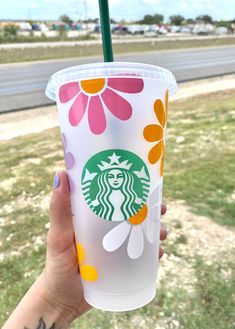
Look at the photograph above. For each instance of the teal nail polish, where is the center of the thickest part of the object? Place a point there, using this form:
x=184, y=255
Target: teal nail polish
x=56, y=181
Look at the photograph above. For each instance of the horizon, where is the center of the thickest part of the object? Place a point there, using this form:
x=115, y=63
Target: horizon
x=119, y=9
x=90, y=19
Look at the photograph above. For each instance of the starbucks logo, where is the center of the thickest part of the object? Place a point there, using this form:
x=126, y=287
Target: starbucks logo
x=115, y=184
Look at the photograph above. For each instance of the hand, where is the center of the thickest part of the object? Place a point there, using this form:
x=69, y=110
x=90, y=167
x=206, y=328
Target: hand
x=61, y=278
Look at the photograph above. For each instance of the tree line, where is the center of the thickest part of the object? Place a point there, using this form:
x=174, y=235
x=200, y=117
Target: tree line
x=158, y=19
x=180, y=20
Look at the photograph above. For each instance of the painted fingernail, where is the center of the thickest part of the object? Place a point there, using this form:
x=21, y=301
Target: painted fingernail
x=56, y=181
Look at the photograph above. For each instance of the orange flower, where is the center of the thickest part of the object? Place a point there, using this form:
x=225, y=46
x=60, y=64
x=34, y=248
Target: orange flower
x=156, y=132
x=88, y=272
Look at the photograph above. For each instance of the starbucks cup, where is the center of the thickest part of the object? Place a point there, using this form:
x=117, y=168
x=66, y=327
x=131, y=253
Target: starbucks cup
x=113, y=122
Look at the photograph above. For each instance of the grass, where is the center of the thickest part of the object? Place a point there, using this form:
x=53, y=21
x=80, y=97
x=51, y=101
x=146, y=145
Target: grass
x=22, y=39
x=199, y=169
x=43, y=53
x=17, y=275
x=210, y=306
x=199, y=164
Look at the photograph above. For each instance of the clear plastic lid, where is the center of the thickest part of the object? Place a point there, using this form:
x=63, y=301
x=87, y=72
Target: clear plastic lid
x=96, y=70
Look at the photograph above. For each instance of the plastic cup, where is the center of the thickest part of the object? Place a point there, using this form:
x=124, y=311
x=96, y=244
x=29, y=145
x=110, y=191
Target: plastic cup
x=113, y=122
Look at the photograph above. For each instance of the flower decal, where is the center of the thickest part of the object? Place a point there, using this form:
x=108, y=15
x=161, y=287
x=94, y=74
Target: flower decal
x=68, y=156
x=156, y=133
x=69, y=162
x=136, y=227
x=90, y=95
x=88, y=272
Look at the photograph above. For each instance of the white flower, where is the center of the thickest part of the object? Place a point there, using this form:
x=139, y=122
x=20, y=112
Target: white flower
x=145, y=222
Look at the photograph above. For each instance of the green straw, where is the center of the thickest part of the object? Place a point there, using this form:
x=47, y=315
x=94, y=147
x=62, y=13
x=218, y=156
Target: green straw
x=105, y=30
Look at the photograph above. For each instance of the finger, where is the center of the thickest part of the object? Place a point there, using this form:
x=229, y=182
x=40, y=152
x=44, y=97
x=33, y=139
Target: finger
x=74, y=242
x=161, y=252
x=163, y=209
x=163, y=233
x=61, y=234
x=60, y=208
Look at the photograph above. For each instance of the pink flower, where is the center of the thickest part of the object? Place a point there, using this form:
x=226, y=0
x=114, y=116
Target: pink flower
x=91, y=94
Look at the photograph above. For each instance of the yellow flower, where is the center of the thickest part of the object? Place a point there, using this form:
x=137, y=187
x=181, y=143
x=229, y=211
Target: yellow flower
x=88, y=272
x=155, y=133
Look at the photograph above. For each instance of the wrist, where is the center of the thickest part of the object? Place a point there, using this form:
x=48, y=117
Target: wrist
x=38, y=309
x=63, y=314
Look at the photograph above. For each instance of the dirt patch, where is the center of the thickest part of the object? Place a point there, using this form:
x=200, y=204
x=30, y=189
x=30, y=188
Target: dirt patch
x=205, y=86
x=205, y=237
x=202, y=237
x=8, y=183
x=27, y=122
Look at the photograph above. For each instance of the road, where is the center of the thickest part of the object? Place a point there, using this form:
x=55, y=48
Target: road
x=22, y=85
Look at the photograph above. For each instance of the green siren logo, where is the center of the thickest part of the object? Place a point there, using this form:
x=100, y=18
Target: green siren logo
x=115, y=184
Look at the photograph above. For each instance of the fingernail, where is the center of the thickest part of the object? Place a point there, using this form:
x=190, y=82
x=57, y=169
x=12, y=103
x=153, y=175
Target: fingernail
x=165, y=232
x=56, y=181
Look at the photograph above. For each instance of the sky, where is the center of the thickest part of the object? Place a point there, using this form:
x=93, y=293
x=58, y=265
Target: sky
x=119, y=9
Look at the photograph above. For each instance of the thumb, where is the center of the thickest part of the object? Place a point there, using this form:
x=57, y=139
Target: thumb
x=61, y=233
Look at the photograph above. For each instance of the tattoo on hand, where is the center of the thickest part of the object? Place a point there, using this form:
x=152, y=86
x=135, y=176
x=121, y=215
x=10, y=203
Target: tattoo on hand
x=42, y=325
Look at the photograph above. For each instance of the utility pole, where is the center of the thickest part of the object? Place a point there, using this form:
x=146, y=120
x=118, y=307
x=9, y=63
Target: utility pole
x=85, y=13
x=85, y=9
x=29, y=15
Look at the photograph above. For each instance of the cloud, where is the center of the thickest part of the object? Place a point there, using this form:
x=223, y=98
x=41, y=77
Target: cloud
x=34, y=5
x=119, y=9
x=202, y=5
x=152, y=2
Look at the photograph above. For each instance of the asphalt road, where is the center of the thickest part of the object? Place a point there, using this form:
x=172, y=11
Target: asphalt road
x=22, y=85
